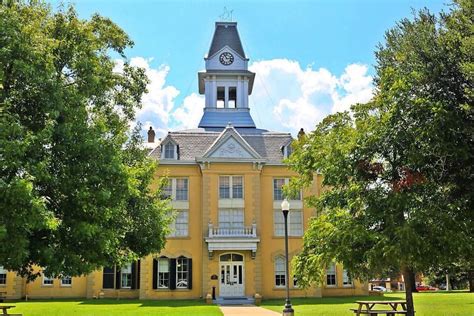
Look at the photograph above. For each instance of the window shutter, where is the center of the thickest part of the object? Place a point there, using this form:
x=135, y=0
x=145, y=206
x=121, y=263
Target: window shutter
x=138, y=273
x=117, y=277
x=177, y=152
x=134, y=275
x=190, y=273
x=108, y=276
x=155, y=274
x=172, y=274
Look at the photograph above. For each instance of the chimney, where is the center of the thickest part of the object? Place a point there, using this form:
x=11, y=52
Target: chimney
x=301, y=134
x=151, y=135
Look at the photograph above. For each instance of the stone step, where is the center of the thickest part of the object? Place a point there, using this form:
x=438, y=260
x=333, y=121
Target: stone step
x=241, y=300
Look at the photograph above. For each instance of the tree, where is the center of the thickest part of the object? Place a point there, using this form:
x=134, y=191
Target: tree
x=398, y=169
x=75, y=184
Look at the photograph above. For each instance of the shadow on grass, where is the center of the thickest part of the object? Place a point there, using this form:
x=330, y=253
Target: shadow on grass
x=332, y=300
x=147, y=303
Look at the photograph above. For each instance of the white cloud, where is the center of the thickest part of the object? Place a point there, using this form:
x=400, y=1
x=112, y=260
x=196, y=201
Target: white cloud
x=301, y=97
x=190, y=112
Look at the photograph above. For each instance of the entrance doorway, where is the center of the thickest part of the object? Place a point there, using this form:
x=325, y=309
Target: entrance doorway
x=232, y=277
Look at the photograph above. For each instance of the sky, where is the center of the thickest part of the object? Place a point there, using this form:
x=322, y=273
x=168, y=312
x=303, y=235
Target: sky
x=311, y=58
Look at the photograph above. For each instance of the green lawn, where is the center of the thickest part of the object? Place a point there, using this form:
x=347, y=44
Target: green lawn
x=113, y=307
x=426, y=304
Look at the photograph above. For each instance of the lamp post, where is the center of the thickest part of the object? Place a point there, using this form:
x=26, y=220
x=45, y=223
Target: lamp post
x=288, y=311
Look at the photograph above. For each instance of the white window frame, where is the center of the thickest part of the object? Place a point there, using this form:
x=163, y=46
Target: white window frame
x=279, y=272
x=126, y=274
x=47, y=281
x=164, y=152
x=179, y=227
x=163, y=275
x=231, y=218
x=68, y=279
x=332, y=269
x=231, y=186
x=294, y=217
x=3, y=276
x=346, y=279
x=173, y=184
x=286, y=182
x=182, y=274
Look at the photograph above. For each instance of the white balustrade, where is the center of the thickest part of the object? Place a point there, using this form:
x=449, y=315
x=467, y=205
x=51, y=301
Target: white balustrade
x=249, y=231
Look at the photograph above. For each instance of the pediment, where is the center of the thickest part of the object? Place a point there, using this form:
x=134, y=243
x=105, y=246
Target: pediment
x=231, y=145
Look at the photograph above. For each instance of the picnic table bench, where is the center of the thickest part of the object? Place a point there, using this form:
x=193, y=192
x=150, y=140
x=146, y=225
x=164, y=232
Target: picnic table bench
x=367, y=308
x=5, y=309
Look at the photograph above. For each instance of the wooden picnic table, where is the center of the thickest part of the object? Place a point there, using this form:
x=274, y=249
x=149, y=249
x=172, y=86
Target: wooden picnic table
x=5, y=308
x=367, y=308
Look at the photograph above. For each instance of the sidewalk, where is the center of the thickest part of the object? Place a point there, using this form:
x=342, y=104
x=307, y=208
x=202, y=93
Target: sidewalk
x=247, y=310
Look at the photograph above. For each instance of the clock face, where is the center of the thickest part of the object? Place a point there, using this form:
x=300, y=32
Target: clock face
x=226, y=58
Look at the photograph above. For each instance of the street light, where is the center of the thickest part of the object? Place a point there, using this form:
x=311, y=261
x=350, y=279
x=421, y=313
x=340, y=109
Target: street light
x=288, y=311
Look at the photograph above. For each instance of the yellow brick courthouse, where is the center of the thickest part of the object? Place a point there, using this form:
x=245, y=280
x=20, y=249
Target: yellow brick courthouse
x=226, y=179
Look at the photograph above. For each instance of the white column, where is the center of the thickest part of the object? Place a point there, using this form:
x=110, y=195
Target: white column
x=214, y=92
x=245, y=92
x=226, y=94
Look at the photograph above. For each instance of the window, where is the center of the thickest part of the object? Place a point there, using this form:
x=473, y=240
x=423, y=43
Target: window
x=179, y=227
x=168, y=190
x=232, y=97
x=295, y=223
x=278, y=194
x=331, y=275
x=108, y=278
x=346, y=279
x=163, y=273
x=220, y=97
x=287, y=150
x=181, y=189
x=3, y=275
x=126, y=276
x=295, y=281
x=177, y=189
x=280, y=275
x=231, y=219
x=231, y=187
x=66, y=281
x=169, y=151
x=47, y=280
x=182, y=273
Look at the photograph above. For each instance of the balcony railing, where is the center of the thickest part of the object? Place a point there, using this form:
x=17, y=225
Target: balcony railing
x=248, y=232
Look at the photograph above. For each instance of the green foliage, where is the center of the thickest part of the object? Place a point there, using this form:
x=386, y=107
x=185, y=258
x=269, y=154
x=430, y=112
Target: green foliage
x=399, y=169
x=75, y=183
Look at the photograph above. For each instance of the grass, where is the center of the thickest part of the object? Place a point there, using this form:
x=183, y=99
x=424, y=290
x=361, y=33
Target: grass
x=426, y=304
x=113, y=307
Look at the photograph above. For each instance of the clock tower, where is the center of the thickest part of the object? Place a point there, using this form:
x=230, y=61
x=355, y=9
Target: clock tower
x=226, y=82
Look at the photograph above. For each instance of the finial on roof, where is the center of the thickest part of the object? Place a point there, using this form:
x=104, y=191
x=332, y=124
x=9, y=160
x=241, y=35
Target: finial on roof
x=229, y=124
x=226, y=16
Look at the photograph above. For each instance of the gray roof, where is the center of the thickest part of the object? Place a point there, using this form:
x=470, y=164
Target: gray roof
x=226, y=34
x=194, y=143
x=221, y=117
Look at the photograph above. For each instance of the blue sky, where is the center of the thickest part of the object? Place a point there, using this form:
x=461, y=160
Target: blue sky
x=312, y=58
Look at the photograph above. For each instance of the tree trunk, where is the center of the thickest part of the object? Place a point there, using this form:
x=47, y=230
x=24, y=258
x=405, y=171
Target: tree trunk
x=470, y=276
x=409, y=282
x=413, y=281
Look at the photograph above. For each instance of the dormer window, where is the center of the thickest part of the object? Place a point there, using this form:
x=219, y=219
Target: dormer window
x=169, y=151
x=286, y=150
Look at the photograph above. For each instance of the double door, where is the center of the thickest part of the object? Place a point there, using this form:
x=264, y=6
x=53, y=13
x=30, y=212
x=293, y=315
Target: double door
x=232, y=279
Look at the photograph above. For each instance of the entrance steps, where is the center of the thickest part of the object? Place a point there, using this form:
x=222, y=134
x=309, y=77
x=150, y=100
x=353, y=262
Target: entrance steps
x=234, y=300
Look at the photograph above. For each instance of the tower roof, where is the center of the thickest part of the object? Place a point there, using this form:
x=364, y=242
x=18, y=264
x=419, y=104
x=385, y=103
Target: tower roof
x=226, y=34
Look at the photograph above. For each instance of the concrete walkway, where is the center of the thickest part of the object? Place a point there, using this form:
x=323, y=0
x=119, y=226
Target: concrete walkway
x=247, y=310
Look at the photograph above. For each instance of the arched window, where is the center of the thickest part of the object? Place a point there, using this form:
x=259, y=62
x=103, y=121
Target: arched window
x=280, y=275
